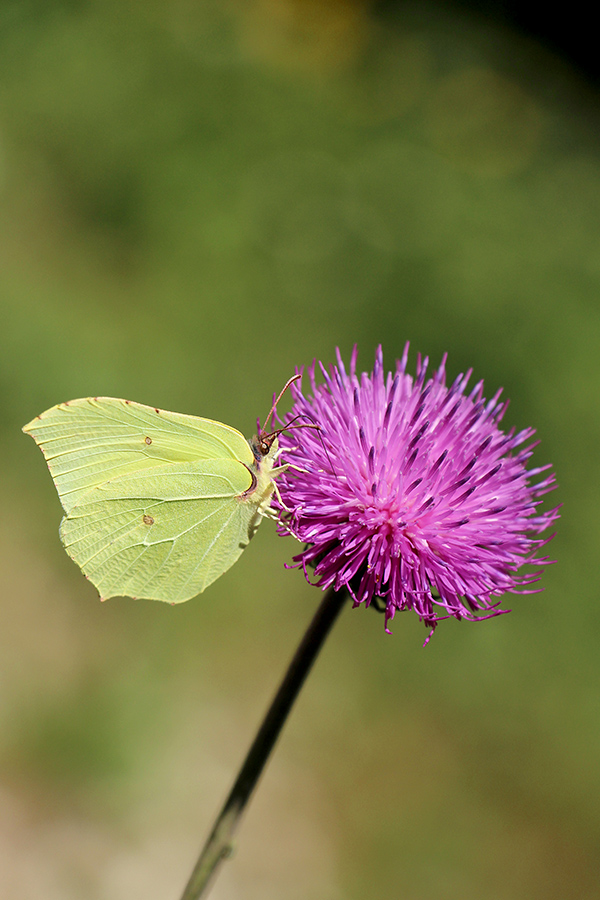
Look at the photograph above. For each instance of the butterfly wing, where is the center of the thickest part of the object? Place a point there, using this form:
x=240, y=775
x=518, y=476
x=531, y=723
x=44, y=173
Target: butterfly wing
x=90, y=441
x=163, y=534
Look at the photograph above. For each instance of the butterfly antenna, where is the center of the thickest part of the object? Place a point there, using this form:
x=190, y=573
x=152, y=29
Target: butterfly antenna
x=316, y=427
x=290, y=427
x=281, y=393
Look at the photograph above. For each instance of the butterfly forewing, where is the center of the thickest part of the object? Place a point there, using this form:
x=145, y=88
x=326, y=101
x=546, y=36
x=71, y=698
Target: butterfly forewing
x=90, y=441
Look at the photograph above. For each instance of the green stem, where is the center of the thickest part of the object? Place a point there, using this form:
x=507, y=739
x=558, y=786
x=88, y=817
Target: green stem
x=218, y=845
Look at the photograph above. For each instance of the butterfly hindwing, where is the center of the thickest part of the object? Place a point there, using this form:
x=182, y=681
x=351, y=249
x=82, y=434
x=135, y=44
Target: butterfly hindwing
x=164, y=534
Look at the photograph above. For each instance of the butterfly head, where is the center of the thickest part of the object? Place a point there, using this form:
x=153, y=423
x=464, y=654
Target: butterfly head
x=264, y=444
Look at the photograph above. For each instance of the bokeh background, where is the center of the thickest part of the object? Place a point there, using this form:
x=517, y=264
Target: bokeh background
x=194, y=199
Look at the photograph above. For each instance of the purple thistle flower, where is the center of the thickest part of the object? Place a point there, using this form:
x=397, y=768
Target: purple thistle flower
x=409, y=491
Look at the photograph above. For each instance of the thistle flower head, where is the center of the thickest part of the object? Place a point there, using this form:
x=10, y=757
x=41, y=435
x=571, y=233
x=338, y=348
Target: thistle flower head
x=410, y=492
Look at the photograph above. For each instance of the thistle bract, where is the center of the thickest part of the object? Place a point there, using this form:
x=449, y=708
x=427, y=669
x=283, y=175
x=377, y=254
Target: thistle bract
x=409, y=491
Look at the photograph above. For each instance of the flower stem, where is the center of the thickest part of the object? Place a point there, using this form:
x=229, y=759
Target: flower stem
x=218, y=846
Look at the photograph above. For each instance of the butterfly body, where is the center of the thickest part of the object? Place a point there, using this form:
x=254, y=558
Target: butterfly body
x=157, y=504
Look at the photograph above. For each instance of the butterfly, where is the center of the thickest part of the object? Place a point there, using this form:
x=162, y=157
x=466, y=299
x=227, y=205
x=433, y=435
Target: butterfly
x=157, y=504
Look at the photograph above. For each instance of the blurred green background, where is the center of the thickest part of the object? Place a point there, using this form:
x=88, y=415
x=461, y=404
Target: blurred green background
x=194, y=199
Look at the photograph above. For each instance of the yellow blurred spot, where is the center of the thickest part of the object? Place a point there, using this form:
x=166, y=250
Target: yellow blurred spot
x=305, y=35
x=484, y=122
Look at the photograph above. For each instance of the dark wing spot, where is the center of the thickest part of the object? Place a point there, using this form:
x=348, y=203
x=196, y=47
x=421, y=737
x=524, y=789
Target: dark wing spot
x=157, y=411
x=147, y=520
x=128, y=402
x=148, y=440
